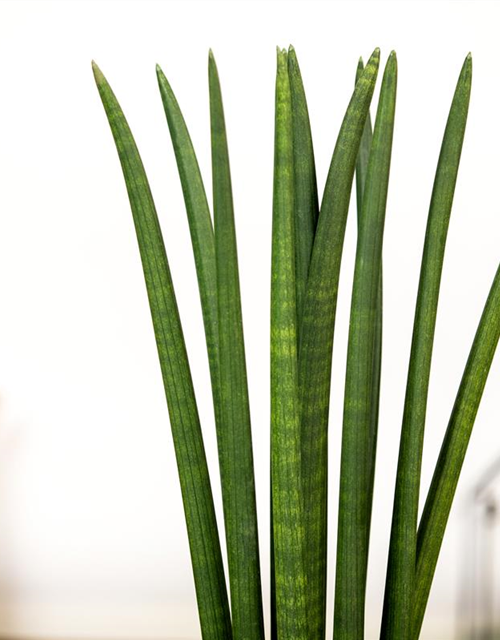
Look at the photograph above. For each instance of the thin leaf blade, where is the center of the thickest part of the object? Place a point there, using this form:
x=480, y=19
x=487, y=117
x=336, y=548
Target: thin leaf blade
x=237, y=472
x=399, y=596
x=352, y=539
x=287, y=501
x=316, y=340
x=361, y=171
x=199, y=510
x=201, y=230
x=305, y=187
x=447, y=472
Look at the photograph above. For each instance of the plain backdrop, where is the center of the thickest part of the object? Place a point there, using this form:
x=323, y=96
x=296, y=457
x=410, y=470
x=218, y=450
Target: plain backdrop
x=92, y=536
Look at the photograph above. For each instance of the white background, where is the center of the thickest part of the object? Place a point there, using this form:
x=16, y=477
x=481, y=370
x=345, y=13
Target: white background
x=92, y=538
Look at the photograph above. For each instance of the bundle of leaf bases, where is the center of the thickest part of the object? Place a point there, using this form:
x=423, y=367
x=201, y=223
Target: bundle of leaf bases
x=307, y=241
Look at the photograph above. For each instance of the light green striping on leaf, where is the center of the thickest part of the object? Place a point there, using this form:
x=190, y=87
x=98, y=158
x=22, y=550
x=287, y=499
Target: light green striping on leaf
x=188, y=442
x=237, y=473
x=316, y=340
x=353, y=525
x=287, y=503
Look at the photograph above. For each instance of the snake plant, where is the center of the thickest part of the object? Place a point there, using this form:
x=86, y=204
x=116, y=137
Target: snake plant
x=307, y=243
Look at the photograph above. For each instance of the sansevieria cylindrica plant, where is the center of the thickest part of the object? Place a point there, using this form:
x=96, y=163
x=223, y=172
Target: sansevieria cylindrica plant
x=307, y=242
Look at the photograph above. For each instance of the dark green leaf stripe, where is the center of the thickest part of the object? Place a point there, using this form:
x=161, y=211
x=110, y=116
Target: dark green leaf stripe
x=238, y=484
x=355, y=469
x=306, y=191
x=193, y=472
x=399, y=601
x=361, y=170
x=445, y=479
x=287, y=502
x=315, y=360
x=200, y=227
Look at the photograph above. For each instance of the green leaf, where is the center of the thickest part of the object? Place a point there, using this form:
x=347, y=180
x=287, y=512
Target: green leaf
x=364, y=151
x=399, y=595
x=306, y=191
x=188, y=442
x=238, y=484
x=316, y=341
x=287, y=502
x=201, y=230
x=447, y=472
x=357, y=442
x=361, y=171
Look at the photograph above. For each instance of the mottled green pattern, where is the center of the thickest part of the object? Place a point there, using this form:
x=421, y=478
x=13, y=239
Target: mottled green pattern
x=445, y=479
x=306, y=218
x=238, y=485
x=201, y=230
x=193, y=472
x=287, y=501
x=399, y=600
x=352, y=552
x=316, y=342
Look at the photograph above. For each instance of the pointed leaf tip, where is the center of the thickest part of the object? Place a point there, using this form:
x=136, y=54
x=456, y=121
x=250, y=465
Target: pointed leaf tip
x=98, y=74
x=282, y=57
x=467, y=66
x=392, y=62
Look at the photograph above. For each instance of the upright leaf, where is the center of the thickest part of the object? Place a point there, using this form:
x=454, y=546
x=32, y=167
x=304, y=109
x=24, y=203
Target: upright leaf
x=352, y=540
x=364, y=151
x=316, y=341
x=361, y=170
x=447, y=472
x=398, y=604
x=287, y=502
x=306, y=191
x=201, y=523
x=238, y=484
x=201, y=230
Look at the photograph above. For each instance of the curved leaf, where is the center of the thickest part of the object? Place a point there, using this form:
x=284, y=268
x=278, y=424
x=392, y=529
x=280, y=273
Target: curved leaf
x=199, y=510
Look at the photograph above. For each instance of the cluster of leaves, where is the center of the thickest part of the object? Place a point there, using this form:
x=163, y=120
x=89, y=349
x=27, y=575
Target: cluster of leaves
x=307, y=242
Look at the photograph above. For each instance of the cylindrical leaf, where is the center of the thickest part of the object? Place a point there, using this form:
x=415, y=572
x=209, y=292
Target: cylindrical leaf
x=236, y=459
x=356, y=458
